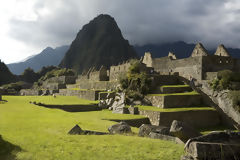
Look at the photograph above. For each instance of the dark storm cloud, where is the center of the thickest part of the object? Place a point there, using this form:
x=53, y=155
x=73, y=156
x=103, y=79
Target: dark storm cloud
x=141, y=21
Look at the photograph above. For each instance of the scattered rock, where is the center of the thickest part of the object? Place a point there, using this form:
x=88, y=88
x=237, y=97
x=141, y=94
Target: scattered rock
x=155, y=135
x=76, y=130
x=145, y=130
x=120, y=128
x=183, y=131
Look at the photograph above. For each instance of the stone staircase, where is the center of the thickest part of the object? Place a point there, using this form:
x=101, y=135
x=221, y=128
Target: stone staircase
x=179, y=102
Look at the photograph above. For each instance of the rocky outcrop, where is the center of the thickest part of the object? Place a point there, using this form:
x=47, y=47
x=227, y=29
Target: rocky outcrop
x=120, y=128
x=118, y=105
x=222, y=100
x=183, y=131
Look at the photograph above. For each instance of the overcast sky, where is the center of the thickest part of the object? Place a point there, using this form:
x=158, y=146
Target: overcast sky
x=29, y=26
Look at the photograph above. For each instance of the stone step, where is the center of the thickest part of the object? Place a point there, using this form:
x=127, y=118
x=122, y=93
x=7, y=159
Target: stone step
x=167, y=89
x=195, y=118
x=175, y=100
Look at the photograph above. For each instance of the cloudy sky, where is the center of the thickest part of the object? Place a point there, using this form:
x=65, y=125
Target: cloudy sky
x=28, y=26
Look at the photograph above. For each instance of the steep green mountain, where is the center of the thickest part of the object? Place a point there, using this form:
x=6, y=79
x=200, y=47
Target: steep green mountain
x=100, y=42
x=5, y=75
x=47, y=57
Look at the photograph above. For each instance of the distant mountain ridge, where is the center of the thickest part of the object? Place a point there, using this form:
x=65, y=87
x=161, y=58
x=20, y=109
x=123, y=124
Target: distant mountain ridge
x=48, y=56
x=180, y=49
x=100, y=42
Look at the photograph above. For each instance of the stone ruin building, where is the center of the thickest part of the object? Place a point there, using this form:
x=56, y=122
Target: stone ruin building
x=200, y=65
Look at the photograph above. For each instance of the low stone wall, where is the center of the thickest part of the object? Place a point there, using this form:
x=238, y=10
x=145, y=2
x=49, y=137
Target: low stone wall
x=133, y=122
x=30, y=92
x=98, y=85
x=195, y=118
x=53, y=86
x=176, y=101
x=83, y=94
x=72, y=108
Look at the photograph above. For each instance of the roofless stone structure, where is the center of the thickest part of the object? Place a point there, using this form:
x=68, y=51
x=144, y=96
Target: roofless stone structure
x=199, y=50
x=222, y=51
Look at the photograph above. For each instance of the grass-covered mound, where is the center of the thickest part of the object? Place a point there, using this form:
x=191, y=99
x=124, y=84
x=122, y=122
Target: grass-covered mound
x=42, y=133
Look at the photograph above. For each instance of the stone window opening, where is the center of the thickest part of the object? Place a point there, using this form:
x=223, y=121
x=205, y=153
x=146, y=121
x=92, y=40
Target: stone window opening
x=227, y=61
x=220, y=61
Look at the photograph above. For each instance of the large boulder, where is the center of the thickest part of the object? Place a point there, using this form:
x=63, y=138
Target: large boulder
x=183, y=131
x=216, y=145
x=120, y=128
x=146, y=129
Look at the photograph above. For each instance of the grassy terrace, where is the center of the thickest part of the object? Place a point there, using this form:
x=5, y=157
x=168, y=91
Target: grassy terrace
x=185, y=93
x=174, y=86
x=151, y=108
x=41, y=133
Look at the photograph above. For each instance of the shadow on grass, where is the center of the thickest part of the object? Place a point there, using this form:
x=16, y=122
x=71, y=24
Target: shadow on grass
x=71, y=108
x=8, y=151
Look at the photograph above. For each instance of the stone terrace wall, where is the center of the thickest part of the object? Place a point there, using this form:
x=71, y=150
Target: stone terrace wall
x=193, y=118
x=99, y=85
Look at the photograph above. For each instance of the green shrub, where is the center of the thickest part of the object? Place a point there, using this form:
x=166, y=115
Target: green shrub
x=16, y=86
x=235, y=96
x=135, y=83
x=224, y=79
x=57, y=73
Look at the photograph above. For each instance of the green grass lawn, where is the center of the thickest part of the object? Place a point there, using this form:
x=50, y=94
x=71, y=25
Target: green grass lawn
x=151, y=108
x=41, y=133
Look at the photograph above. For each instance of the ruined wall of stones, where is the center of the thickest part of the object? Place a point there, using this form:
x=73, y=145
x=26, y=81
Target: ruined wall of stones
x=117, y=71
x=185, y=67
x=53, y=86
x=214, y=63
x=83, y=94
x=98, y=85
x=62, y=79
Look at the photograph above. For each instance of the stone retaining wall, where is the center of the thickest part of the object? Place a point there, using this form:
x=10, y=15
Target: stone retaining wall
x=98, y=85
x=176, y=101
x=195, y=118
x=165, y=90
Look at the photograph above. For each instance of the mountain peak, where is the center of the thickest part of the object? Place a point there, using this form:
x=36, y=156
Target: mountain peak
x=100, y=42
